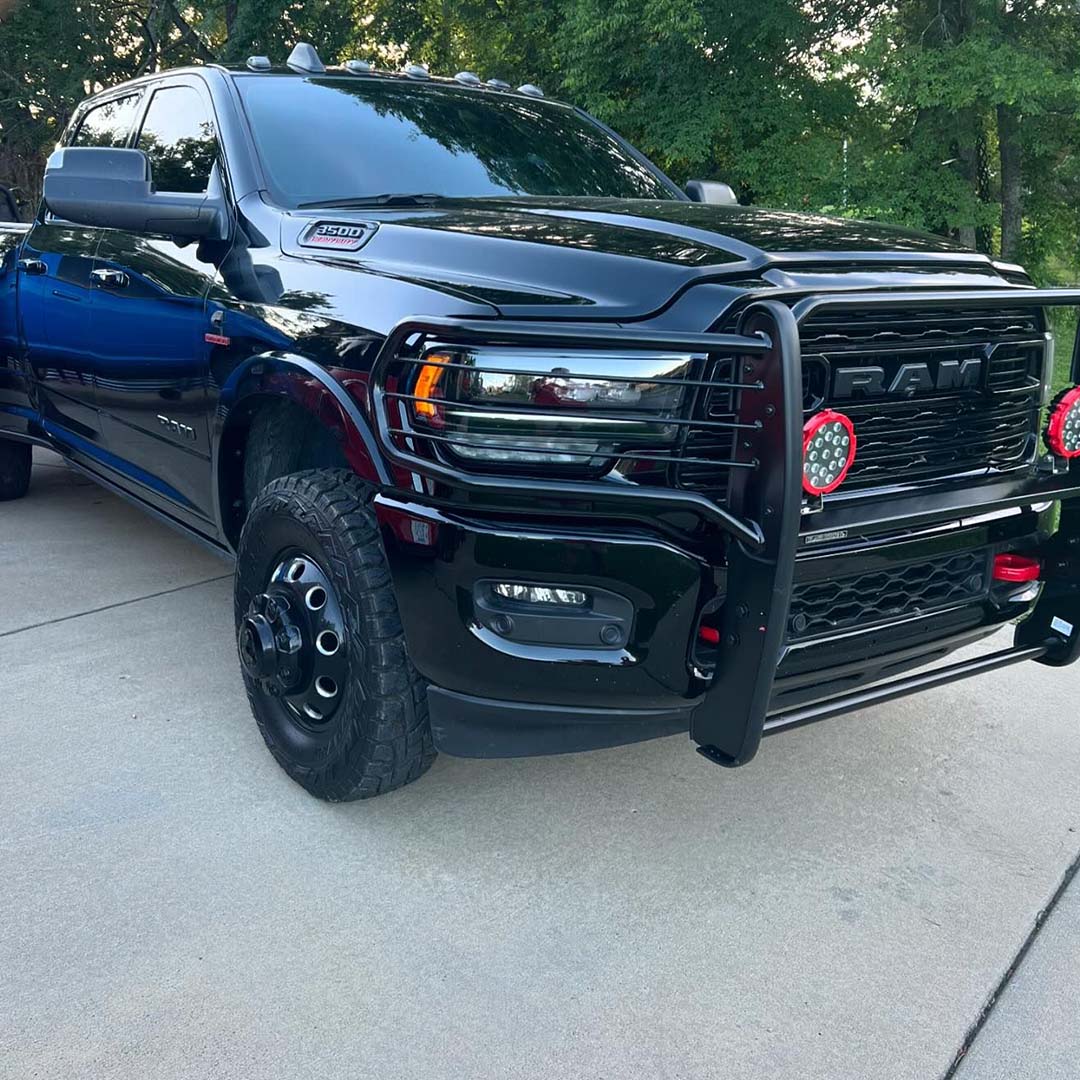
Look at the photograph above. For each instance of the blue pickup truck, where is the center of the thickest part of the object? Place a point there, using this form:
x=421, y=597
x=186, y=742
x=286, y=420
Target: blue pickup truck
x=518, y=446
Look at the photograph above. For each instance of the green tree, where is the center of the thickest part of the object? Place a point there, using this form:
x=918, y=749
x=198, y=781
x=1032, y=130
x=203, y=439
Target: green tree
x=53, y=53
x=978, y=103
x=741, y=93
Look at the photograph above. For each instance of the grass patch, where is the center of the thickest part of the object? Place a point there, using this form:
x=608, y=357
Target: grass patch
x=1063, y=322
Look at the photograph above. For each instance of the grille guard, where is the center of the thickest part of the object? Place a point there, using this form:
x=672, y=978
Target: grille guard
x=763, y=518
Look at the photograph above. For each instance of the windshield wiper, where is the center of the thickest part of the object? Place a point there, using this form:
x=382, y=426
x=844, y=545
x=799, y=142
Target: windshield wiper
x=389, y=199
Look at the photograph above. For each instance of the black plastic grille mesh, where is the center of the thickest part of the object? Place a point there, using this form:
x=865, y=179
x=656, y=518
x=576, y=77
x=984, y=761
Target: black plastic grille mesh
x=710, y=448
x=892, y=593
x=936, y=434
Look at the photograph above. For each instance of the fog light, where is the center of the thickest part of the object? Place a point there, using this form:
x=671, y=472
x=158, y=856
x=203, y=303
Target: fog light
x=1063, y=434
x=828, y=451
x=540, y=594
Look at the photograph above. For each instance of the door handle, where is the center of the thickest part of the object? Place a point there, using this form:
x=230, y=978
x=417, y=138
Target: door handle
x=110, y=279
x=33, y=267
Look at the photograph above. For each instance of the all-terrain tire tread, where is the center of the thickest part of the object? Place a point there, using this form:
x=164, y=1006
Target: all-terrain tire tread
x=384, y=740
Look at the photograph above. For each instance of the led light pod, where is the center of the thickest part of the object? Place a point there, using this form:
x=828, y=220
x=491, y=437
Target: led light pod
x=1063, y=434
x=828, y=451
x=540, y=594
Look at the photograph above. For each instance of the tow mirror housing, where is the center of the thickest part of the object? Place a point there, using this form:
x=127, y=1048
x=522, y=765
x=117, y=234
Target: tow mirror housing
x=114, y=189
x=711, y=191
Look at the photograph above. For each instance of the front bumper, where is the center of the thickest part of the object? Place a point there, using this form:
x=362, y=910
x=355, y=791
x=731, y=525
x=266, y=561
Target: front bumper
x=492, y=697
x=740, y=562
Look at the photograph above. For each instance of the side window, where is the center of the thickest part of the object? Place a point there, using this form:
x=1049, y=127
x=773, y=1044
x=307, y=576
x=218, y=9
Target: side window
x=108, y=124
x=178, y=137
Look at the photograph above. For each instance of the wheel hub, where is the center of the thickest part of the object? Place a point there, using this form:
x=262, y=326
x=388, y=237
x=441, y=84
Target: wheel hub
x=292, y=640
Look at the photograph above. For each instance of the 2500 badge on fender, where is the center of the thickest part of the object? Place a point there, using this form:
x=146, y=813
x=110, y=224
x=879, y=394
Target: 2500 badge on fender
x=518, y=447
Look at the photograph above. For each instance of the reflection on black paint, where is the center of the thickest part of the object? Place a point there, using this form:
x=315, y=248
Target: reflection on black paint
x=525, y=221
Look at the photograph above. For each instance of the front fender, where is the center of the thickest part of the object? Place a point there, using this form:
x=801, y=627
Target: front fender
x=318, y=391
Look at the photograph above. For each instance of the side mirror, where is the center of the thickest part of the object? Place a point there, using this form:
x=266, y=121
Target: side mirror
x=114, y=189
x=711, y=191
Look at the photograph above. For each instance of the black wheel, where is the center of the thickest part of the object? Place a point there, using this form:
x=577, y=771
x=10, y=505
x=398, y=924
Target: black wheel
x=321, y=647
x=16, y=459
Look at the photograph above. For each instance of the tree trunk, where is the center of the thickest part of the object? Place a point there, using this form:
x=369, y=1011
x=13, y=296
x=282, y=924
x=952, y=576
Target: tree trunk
x=966, y=126
x=1012, y=211
x=231, y=11
x=187, y=34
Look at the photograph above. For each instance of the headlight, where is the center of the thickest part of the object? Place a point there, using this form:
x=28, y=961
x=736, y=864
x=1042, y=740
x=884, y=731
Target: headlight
x=575, y=409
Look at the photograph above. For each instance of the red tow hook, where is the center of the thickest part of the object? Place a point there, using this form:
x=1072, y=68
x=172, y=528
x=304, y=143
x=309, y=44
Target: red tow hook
x=709, y=634
x=1016, y=568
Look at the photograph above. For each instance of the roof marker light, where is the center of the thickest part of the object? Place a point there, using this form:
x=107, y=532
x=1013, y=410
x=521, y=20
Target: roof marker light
x=357, y=67
x=530, y=91
x=1063, y=432
x=828, y=451
x=498, y=84
x=468, y=78
x=258, y=63
x=306, y=60
x=416, y=71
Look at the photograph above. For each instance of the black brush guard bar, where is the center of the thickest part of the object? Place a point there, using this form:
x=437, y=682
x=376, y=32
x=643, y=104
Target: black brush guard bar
x=763, y=519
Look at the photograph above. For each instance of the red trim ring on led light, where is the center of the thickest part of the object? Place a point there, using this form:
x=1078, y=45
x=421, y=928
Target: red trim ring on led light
x=810, y=430
x=1016, y=568
x=1055, y=433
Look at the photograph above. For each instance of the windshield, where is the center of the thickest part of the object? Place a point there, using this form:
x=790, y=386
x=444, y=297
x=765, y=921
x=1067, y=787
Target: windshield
x=338, y=138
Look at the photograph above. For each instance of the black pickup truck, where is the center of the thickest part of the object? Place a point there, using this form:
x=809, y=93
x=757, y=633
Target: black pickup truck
x=520, y=448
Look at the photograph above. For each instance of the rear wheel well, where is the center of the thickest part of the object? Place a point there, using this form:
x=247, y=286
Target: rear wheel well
x=266, y=439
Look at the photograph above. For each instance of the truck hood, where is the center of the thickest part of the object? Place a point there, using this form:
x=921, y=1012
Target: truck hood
x=609, y=258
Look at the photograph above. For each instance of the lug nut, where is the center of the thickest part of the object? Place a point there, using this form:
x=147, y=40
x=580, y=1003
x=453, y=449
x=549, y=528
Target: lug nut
x=611, y=635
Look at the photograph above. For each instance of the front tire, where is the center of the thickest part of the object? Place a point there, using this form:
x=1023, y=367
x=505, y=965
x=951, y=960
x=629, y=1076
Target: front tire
x=16, y=460
x=323, y=654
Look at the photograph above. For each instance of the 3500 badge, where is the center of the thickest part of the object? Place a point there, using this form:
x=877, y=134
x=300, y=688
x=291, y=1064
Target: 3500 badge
x=336, y=236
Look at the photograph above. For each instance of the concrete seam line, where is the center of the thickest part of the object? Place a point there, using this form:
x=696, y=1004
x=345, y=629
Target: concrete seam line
x=111, y=607
x=995, y=995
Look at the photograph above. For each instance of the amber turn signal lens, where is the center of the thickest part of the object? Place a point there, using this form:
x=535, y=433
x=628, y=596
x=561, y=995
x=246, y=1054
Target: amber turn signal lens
x=427, y=383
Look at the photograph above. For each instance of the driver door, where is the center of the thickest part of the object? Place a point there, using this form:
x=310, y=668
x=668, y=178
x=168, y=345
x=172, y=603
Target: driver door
x=149, y=319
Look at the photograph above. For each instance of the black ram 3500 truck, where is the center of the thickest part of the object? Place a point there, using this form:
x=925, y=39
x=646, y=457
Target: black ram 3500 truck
x=520, y=448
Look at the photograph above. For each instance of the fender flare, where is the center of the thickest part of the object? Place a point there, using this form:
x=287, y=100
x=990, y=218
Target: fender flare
x=308, y=385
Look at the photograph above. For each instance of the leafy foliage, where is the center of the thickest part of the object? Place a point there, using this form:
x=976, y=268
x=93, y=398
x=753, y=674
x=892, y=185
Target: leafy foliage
x=958, y=116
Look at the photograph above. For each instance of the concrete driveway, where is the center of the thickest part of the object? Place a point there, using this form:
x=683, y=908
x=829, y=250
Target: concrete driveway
x=171, y=905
